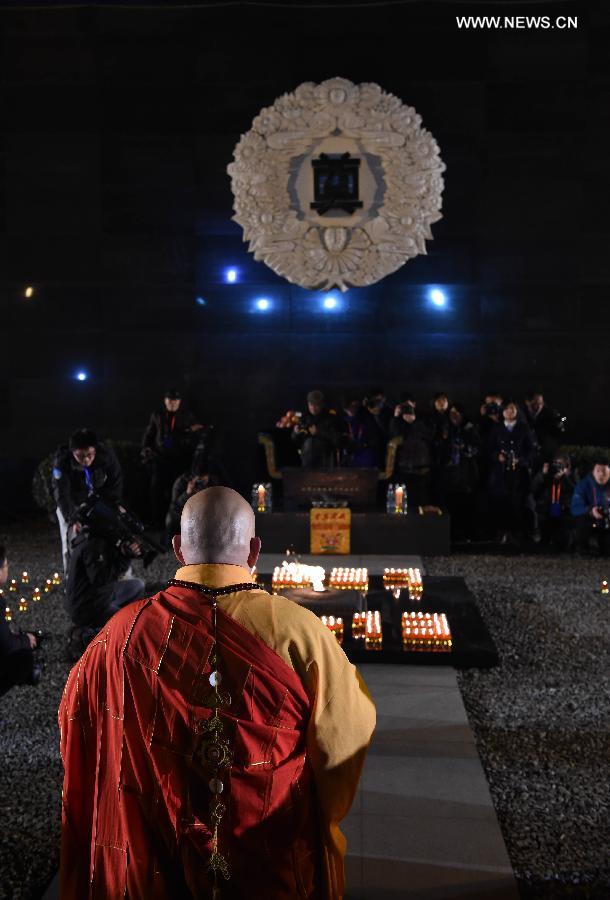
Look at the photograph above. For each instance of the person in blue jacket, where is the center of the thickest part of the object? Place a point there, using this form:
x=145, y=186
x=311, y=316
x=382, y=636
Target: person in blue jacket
x=591, y=508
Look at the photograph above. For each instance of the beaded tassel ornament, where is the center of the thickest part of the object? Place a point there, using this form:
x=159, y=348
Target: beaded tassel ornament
x=214, y=752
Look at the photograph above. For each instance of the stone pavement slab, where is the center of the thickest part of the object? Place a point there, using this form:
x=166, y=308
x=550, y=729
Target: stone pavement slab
x=423, y=823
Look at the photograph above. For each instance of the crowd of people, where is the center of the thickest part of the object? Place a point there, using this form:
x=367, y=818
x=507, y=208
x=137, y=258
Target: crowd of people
x=500, y=474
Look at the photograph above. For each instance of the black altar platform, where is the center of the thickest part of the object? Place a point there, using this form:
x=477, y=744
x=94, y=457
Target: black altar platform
x=473, y=646
x=372, y=532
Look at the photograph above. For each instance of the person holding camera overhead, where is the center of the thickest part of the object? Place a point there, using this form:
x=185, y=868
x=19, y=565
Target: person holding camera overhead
x=591, y=508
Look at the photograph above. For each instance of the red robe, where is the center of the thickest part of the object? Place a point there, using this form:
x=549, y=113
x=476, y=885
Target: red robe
x=135, y=805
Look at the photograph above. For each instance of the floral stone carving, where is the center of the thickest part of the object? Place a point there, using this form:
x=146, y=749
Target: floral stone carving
x=400, y=185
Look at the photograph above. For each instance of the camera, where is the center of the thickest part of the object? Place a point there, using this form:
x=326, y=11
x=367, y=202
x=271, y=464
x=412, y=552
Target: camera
x=511, y=461
x=492, y=409
x=604, y=522
x=118, y=525
x=557, y=467
x=407, y=409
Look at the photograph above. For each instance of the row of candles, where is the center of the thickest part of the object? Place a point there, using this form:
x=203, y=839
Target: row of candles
x=420, y=631
x=410, y=579
x=346, y=579
x=426, y=631
x=299, y=575
x=365, y=626
x=17, y=586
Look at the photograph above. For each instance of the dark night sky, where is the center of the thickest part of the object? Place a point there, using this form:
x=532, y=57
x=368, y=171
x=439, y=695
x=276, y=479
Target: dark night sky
x=116, y=127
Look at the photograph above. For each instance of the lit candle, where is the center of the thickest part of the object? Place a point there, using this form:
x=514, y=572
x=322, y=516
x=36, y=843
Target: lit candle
x=36, y=594
x=25, y=578
x=398, y=498
x=261, y=497
x=7, y=614
x=13, y=585
x=604, y=587
x=23, y=605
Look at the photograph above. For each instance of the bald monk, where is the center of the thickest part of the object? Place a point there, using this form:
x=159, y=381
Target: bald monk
x=212, y=735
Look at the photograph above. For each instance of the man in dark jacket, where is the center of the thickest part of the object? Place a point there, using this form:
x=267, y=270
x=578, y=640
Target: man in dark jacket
x=167, y=448
x=377, y=405
x=362, y=440
x=87, y=466
x=414, y=456
x=511, y=456
x=18, y=664
x=591, y=508
x=318, y=434
x=458, y=451
x=547, y=426
x=553, y=487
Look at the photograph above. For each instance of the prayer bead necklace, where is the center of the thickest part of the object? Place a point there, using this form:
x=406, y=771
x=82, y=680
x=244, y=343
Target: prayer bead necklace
x=215, y=592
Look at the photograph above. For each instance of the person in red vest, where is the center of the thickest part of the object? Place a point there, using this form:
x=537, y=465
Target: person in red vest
x=212, y=735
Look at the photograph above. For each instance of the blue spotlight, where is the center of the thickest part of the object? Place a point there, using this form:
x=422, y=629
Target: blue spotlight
x=200, y=301
x=438, y=297
x=263, y=304
x=330, y=302
x=231, y=276
x=81, y=375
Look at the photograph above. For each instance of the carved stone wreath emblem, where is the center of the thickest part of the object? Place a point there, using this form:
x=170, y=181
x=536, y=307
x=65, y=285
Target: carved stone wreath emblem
x=399, y=183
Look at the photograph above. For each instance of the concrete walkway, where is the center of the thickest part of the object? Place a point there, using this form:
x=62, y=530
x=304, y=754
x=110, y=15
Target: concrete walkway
x=423, y=825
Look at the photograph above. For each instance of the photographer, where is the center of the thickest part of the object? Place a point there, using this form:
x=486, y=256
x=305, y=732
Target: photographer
x=591, y=509
x=18, y=661
x=361, y=437
x=510, y=459
x=96, y=585
x=198, y=478
x=553, y=488
x=318, y=434
x=458, y=451
x=168, y=446
x=85, y=467
x=377, y=405
x=414, y=457
x=547, y=426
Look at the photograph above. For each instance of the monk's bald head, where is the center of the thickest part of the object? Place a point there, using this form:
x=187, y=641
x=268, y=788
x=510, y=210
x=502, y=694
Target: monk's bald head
x=217, y=526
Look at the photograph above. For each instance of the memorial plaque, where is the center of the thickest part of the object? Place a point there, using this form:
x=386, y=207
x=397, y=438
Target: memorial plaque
x=330, y=530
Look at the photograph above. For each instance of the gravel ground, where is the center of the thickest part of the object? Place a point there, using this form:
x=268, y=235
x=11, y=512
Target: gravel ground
x=540, y=719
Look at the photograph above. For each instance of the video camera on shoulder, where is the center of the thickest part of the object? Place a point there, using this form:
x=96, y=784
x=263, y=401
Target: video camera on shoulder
x=118, y=525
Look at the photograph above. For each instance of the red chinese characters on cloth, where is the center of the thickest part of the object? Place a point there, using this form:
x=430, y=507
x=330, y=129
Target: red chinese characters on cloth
x=136, y=799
